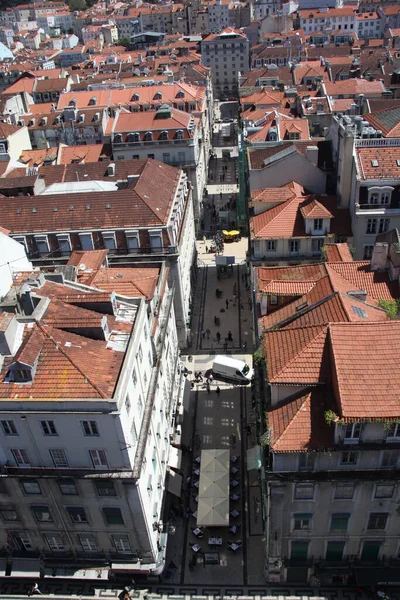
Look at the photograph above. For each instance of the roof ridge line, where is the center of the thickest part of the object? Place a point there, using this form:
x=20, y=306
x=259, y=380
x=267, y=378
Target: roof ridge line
x=58, y=347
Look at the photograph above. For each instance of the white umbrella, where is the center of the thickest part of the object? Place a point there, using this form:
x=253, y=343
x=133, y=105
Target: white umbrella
x=215, y=461
x=214, y=485
x=213, y=511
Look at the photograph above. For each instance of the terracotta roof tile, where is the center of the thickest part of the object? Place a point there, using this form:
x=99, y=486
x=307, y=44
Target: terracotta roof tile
x=288, y=288
x=366, y=374
x=386, y=157
x=296, y=273
x=130, y=282
x=359, y=275
x=299, y=424
x=312, y=209
x=338, y=253
x=296, y=355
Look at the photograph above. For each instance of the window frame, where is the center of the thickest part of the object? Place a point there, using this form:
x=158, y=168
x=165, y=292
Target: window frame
x=64, y=464
x=382, y=486
x=340, y=518
x=75, y=514
x=302, y=518
x=44, y=509
x=299, y=486
x=108, y=509
x=110, y=484
x=21, y=451
x=70, y=483
x=348, y=462
x=31, y=481
x=377, y=516
x=98, y=457
x=344, y=485
x=90, y=428
x=10, y=425
x=50, y=426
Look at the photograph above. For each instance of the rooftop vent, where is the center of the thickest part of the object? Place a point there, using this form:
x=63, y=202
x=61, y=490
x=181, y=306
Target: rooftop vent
x=71, y=207
x=87, y=206
x=374, y=163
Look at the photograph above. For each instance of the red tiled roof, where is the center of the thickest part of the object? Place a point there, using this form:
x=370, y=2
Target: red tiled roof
x=288, y=288
x=131, y=282
x=366, y=374
x=338, y=253
x=312, y=209
x=86, y=262
x=387, y=162
x=68, y=366
x=359, y=275
x=142, y=205
x=296, y=273
x=286, y=219
x=300, y=425
x=295, y=356
x=353, y=87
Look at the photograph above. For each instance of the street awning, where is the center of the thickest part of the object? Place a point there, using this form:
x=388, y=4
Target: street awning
x=175, y=458
x=214, y=485
x=254, y=458
x=215, y=461
x=175, y=483
x=26, y=567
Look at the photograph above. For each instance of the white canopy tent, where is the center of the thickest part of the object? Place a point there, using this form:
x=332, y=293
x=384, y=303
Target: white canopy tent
x=213, y=512
x=213, y=505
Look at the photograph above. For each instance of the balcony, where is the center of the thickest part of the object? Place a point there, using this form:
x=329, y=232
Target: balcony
x=128, y=252
x=79, y=471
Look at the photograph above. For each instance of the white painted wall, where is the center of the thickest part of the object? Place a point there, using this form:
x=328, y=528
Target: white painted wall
x=13, y=259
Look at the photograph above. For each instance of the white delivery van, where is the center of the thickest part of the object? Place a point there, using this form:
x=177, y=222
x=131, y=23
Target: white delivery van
x=232, y=368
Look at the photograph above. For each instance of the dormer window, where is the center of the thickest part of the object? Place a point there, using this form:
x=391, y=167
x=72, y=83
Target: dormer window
x=130, y=137
x=157, y=96
x=135, y=98
x=380, y=196
x=179, y=134
x=18, y=375
x=180, y=94
x=352, y=433
x=93, y=101
x=117, y=138
x=72, y=102
x=164, y=135
x=294, y=135
x=148, y=136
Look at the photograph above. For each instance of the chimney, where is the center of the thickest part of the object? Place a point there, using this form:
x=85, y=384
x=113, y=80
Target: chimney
x=312, y=154
x=379, y=256
x=361, y=104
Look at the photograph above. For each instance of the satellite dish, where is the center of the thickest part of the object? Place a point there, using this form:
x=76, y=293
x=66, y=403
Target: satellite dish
x=82, y=267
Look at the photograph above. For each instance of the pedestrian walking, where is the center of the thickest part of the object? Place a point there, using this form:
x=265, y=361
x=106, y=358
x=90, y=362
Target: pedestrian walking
x=242, y=277
x=218, y=391
x=234, y=290
x=208, y=333
x=230, y=338
x=208, y=387
x=215, y=320
x=244, y=346
x=227, y=303
x=34, y=589
x=218, y=337
x=203, y=334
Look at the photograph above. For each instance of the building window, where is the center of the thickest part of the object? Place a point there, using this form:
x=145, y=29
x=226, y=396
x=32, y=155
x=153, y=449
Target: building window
x=318, y=224
x=352, y=433
x=127, y=404
x=8, y=514
x=293, y=245
x=377, y=521
x=132, y=239
x=304, y=491
x=344, y=491
x=20, y=540
x=140, y=353
x=383, y=225
x=134, y=376
x=86, y=241
x=113, y=516
x=393, y=432
x=67, y=487
x=88, y=542
x=109, y=240
x=21, y=457
x=90, y=427
x=384, y=490
x=99, y=458
x=59, y=457
x=64, y=243
x=105, y=488
x=31, y=486
x=155, y=240
x=42, y=244
x=77, y=514
x=371, y=225
x=121, y=543
x=302, y=521
x=389, y=459
x=368, y=250
x=334, y=551
x=271, y=246
x=370, y=551
x=299, y=550
x=42, y=514
x=306, y=461
x=48, y=428
x=339, y=521
x=349, y=458
x=54, y=541
x=9, y=428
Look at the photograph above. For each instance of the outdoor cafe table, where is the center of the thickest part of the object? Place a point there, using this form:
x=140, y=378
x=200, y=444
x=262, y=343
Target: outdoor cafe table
x=215, y=541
